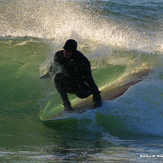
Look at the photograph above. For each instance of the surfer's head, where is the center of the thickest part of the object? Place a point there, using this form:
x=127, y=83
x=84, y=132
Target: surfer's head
x=70, y=45
x=70, y=48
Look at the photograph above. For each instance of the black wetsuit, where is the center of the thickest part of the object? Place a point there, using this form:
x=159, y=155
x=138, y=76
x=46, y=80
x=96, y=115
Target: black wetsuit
x=75, y=77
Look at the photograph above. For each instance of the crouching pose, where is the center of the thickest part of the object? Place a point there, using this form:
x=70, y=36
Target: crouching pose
x=75, y=76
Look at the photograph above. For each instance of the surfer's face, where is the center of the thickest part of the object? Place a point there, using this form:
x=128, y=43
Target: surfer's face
x=67, y=54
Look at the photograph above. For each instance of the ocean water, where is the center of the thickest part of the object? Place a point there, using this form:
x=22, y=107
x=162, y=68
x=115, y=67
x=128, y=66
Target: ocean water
x=120, y=36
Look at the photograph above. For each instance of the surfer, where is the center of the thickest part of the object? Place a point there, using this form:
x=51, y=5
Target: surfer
x=75, y=76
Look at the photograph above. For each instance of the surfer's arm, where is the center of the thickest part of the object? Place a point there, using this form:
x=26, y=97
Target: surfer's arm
x=47, y=75
x=52, y=70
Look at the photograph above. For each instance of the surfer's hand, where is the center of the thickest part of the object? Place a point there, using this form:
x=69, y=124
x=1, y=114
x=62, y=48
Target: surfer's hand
x=45, y=76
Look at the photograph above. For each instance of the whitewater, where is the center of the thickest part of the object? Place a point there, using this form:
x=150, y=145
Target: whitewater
x=120, y=36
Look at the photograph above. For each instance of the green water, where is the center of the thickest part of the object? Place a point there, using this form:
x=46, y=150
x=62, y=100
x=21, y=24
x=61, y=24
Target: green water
x=86, y=137
x=20, y=86
x=20, y=74
x=118, y=37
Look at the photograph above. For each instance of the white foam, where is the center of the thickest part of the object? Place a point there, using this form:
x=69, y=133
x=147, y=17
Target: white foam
x=142, y=107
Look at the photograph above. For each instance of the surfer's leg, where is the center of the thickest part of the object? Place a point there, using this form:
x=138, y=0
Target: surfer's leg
x=97, y=98
x=96, y=93
x=83, y=91
x=61, y=86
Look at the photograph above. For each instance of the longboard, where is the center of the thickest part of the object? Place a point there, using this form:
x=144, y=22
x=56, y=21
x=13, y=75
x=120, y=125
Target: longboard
x=109, y=92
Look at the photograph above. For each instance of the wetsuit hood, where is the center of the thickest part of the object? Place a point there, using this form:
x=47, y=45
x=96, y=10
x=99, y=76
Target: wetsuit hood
x=70, y=45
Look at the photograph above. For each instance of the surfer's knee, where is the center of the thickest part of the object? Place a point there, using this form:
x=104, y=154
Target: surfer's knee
x=83, y=92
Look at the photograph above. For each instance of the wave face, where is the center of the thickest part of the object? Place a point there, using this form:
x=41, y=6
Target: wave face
x=122, y=36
